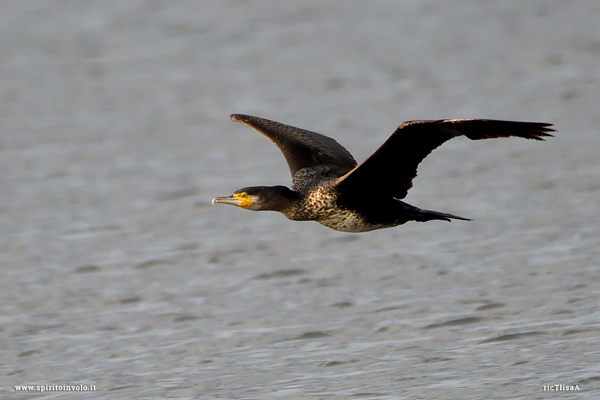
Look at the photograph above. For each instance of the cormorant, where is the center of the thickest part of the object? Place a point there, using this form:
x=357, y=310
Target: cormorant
x=330, y=188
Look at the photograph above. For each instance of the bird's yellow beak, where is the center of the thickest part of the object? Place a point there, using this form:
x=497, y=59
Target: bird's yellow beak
x=238, y=200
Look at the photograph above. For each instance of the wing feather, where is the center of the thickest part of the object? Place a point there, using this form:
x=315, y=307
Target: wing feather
x=301, y=148
x=392, y=168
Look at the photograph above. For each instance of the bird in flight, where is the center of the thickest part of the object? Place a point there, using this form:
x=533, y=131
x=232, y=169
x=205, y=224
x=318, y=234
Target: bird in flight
x=329, y=187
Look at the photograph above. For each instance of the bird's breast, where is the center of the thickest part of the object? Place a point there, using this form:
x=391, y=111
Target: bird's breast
x=316, y=205
x=322, y=206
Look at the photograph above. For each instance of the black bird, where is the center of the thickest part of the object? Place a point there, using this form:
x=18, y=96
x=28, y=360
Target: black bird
x=329, y=187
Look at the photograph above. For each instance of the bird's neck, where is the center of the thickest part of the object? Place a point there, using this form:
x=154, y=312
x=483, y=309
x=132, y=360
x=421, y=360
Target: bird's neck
x=287, y=200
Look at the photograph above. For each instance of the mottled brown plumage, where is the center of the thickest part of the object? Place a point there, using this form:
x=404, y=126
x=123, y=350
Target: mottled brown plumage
x=329, y=187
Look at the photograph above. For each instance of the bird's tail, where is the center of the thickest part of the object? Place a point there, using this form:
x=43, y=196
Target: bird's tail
x=417, y=214
x=427, y=215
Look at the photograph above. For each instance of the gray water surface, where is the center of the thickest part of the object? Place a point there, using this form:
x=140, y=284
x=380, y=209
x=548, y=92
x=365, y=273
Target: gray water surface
x=116, y=271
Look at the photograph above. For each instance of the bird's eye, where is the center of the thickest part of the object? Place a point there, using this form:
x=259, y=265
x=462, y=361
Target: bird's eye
x=243, y=194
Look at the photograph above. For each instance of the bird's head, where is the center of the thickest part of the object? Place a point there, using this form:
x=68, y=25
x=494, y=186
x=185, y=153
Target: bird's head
x=261, y=198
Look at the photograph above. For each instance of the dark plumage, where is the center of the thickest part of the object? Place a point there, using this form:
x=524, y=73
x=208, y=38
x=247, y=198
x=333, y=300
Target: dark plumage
x=329, y=187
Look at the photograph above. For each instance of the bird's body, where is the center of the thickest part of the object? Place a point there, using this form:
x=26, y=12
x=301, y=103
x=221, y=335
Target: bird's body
x=329, y=187
x=319, y=202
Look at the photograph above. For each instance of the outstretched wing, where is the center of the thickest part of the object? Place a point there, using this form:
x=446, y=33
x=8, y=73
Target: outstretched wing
x=391, y=169
x=301, y=148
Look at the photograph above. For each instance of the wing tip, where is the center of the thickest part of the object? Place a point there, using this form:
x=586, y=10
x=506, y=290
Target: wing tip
x=542, y=130
x=238, y=117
